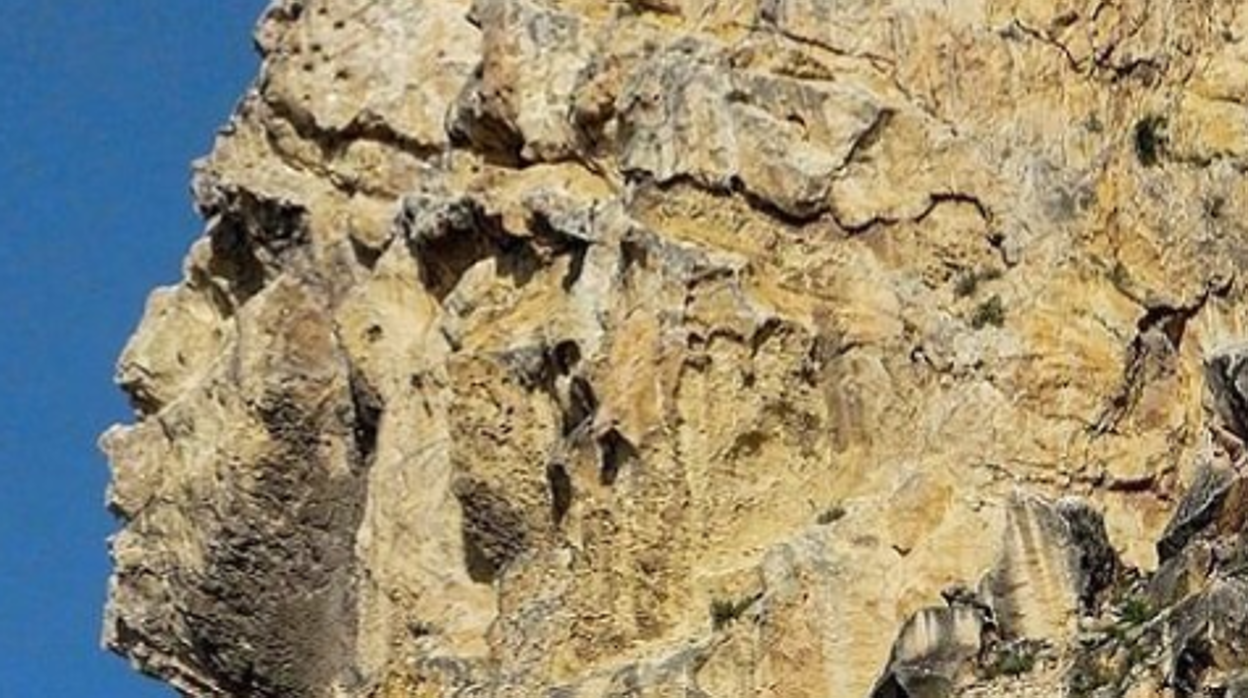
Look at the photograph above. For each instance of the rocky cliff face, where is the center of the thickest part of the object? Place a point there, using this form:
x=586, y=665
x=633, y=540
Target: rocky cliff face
x=706, y=348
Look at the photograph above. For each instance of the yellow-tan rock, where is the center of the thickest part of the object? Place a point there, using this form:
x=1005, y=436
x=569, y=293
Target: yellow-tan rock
x=693, y=347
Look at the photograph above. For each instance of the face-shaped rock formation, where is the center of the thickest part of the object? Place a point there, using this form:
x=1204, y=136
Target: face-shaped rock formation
x=588, y=348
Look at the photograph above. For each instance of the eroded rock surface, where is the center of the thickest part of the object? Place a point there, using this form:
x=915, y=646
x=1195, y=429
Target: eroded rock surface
x=577, y=348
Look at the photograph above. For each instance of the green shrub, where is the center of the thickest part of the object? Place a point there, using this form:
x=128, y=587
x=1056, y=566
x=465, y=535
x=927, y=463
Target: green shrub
x=1136, y=610
x=1017, y=663
x=725, y=611
x=1014, y=658
x=832, y=514
x=990, y=312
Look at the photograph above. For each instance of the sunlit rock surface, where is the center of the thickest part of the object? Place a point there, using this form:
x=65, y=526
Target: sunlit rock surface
x=714, y=348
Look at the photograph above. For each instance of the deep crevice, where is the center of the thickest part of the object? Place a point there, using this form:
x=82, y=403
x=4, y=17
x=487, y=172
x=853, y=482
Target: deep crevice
x=448, y=237
x=869, y=137
x=560, y=485
x=555, y=241
x=473, y=127
x=617, y=453
x=566, y=355
x=770, y=328
x=366, y=256
x=633, y=253
x=235, y=261
x=582, y=403
x=368, y=408
x=1191, y=664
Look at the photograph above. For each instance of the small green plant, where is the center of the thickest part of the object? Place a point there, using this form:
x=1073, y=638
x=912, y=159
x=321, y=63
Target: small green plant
x=966, y=285
x=1150, y=139
x=725, y=611
x=832, y=514
x=990, y=312
x=1136, y=610
x=1017, y=664
x=1014, y=659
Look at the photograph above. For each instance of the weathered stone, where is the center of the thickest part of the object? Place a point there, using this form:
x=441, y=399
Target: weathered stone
x=1199, y=508
x=367, y=70
x=1206, y=634
x=692, y=347
x=932, y=649
x=1228, y=388
x=520, y=105
x=1055, y=561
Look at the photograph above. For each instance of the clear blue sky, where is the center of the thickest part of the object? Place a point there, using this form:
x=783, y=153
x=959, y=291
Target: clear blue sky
x=102, y=106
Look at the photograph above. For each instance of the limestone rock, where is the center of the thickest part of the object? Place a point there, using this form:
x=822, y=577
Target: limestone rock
x=693, y=347
x=1055, y=561
x=932, y=648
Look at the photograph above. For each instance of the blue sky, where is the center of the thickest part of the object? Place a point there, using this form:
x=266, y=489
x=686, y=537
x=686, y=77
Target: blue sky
x=102, y=107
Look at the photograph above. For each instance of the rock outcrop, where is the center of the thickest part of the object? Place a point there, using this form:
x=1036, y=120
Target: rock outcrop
x=576, y=348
